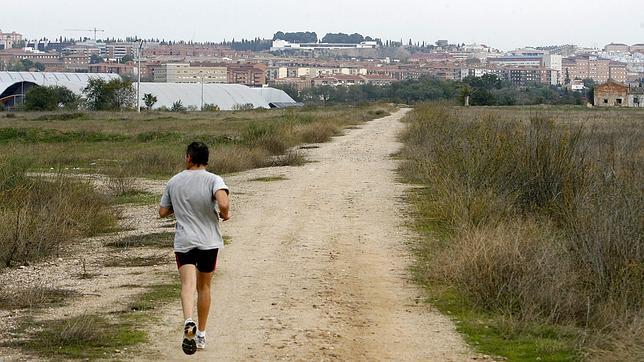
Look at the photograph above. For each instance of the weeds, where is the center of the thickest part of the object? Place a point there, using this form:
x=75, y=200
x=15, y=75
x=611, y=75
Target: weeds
x=120, y=183
x=152, y=144
x=84, y=272
x=38, y=216
x=292, y=158
x=137, y=197
x=538, y=221
x=155, y=294
x=62, y=116
x=85, y=336
x=270, y=178
x=34, y=297
x=157, y=240
x=136, y=261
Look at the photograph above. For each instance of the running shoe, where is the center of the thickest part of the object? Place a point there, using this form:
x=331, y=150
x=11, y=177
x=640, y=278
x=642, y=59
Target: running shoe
x=201, y=341
x=189, y=345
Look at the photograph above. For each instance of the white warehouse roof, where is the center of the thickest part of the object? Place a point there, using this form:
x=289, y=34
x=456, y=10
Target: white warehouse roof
x=73, y=81
x=225, y=96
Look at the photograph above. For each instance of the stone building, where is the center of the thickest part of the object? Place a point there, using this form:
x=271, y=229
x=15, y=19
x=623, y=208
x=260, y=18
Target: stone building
x=615, y=94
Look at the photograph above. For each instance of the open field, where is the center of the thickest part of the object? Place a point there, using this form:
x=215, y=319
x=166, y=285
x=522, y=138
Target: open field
x=317, y=272
x=151, y=144
x=531, y=226
x=100, y=280
x=127, y=145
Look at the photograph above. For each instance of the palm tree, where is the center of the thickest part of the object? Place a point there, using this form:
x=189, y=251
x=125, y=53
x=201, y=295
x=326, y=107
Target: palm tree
x=149, y=100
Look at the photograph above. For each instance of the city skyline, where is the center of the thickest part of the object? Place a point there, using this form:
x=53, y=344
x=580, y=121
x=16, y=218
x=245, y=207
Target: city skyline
x=497, y=23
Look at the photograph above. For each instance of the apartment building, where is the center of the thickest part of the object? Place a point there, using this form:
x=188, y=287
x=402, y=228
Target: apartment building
x=117, y=51
x=461, y=73
x=14, y=55
x=618, y=71
x=350, y=80
x=182, y=50
x=516, y=61
x=75, y=59
x=185, y=73
x=113, y=68
x=554, y=62
x=298, y=83
x=526, y=75
x=617, y=48
x=86, y=50
x=252, y=75
x=276, y=72
x=7, y=40
x=591, y=67
x=637, y=48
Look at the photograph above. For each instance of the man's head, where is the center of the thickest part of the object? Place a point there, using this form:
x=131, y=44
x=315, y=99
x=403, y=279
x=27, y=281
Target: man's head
x=197, y=154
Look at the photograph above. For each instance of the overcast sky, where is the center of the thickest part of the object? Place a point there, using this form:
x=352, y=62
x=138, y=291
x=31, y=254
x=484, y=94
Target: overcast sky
x=504, y=24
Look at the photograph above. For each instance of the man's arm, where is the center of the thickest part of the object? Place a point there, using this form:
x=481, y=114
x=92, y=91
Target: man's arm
x=224, y=204
x=165, y=211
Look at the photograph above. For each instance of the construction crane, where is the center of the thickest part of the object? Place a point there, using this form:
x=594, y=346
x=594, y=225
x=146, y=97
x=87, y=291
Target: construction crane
x=88, y=30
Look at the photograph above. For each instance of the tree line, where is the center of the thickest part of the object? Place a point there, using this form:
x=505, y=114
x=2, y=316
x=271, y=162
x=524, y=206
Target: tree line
x=488, y=90
x=312, y=37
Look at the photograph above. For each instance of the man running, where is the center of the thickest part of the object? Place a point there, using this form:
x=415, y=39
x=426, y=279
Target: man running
x=198, y=200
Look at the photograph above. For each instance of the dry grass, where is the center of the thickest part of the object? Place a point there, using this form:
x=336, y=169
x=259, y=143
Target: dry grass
x=87, y=336
x=33, y=297
x=136, y=261
x=39, y=216
x=157, y=240
x=152, y=144
x=533, y=218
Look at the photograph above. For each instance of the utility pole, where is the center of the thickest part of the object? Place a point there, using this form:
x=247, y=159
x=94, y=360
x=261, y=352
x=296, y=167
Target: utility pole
x=201, y=92
x=138, y=83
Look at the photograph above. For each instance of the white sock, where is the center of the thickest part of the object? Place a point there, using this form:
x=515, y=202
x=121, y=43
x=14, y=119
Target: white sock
x=201, y=333
x=188, y=320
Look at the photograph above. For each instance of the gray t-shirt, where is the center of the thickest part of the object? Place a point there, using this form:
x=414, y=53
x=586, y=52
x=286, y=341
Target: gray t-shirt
x=191, y=195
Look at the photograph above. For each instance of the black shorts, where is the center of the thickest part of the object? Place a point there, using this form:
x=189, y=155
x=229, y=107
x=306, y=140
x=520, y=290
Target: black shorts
x=204, y=260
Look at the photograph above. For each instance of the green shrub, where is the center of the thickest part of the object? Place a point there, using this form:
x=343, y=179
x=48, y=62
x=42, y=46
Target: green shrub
x=178, y=106
x=50, y=99
x=210, y=108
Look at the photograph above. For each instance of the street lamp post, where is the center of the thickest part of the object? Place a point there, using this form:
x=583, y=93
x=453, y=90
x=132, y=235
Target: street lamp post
x=138, y=83
x=201, y=92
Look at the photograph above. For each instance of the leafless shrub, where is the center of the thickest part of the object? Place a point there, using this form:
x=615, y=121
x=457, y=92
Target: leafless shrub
x=38, y=216
x=33, y=297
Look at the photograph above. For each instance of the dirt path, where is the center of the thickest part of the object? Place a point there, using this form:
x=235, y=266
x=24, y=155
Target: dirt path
x=317, y=265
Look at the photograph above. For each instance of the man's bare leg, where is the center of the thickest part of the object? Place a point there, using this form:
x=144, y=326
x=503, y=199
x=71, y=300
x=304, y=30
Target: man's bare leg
x=188, y=274
x=203, y=298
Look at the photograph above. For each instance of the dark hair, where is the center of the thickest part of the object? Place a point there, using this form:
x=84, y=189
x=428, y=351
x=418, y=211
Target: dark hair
x=198, y=152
